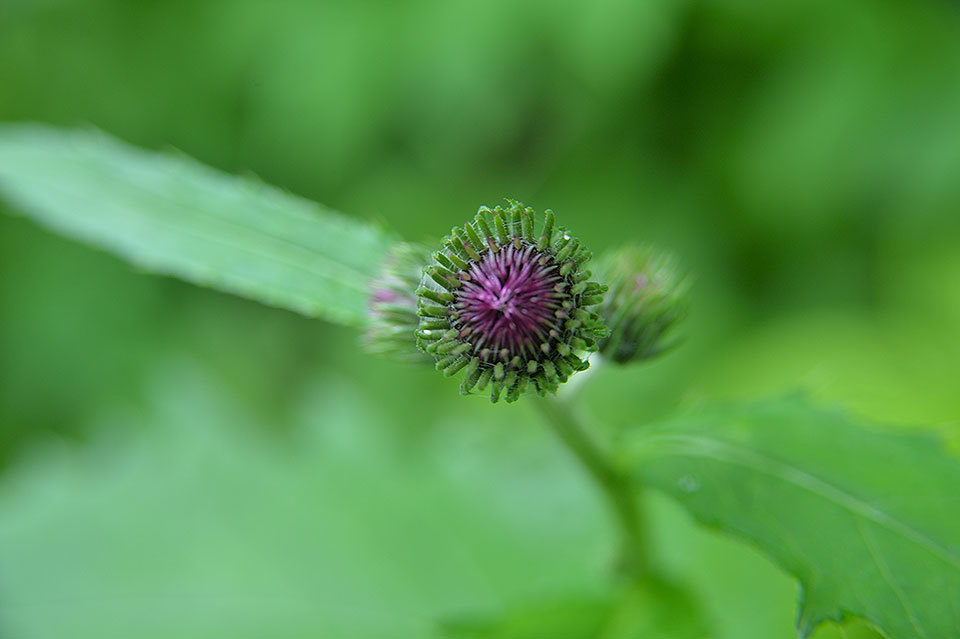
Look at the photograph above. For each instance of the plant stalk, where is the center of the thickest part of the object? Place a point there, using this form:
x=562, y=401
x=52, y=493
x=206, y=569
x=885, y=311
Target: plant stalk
x=621, y=494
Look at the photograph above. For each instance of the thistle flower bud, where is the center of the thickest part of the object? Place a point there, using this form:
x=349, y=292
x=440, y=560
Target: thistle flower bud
x=393, y=318
x=506, y=300
x=646, y=300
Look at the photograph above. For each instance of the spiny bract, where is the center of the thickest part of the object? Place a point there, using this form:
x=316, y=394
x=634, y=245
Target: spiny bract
x=508, y=306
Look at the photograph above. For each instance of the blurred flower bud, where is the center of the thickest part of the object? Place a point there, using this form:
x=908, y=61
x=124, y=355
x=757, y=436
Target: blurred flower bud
x=646, y=300
x=393, y=315
x=507, y=301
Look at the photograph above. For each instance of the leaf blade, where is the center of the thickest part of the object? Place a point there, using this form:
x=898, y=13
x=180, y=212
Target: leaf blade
x=839, y=504
x=172, y=215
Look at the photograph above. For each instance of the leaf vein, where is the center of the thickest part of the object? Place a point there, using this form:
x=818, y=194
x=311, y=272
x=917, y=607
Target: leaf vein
x=707, y=448
x=888, y=577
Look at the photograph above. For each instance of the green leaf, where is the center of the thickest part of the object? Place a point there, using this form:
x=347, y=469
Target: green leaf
x=865, y=518
x=170, y=214
x=653, y=608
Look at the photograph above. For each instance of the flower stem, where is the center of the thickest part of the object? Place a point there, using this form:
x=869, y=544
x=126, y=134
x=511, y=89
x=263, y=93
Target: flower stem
x=621, y=494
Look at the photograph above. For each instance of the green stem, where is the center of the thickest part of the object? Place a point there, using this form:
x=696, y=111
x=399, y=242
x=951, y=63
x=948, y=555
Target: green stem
x=621, y=494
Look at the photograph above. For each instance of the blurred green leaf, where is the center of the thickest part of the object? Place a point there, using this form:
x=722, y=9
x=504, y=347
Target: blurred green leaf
x=864, y=518
x=197, y=525
x=654, y=608
x=170, y=214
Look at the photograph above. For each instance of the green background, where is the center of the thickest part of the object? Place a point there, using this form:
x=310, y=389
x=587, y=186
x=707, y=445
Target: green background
x=210, y=467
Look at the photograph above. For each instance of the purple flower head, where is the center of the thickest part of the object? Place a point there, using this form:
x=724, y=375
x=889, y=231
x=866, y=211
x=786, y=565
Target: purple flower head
x=511, y=300
x=508, y=306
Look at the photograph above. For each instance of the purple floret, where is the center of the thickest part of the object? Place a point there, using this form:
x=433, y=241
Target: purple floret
x=510, y=299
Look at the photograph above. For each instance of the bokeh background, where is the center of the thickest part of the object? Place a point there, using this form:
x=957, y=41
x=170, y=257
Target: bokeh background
x=185, y=464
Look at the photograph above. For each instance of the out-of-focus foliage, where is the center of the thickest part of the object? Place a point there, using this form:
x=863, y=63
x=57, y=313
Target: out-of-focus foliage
x=205, y=528
x=801, y=158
